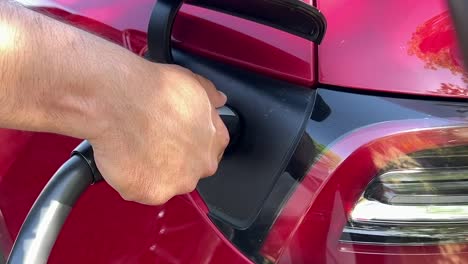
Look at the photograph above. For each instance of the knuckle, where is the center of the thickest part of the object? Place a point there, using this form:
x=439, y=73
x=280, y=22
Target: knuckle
x=225, y=138
x=158, y=198
x=129, y=189
x=190, y=186
x=129, y=195
x=212, y=168
x=175, y=72
x=161, y=194
x=176, y=69
x=222, y=133
x=207, y=83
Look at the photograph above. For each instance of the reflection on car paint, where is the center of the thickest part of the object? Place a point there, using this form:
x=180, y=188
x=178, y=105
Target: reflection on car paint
x=434, y=42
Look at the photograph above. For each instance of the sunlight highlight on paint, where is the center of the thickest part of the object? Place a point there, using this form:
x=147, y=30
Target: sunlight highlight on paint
x=7, y=36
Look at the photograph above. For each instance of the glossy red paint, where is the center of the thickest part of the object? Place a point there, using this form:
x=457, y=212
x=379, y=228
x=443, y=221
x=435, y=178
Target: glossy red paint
x=361, y=48
x=310, y=225
x=20, y=182
x=103, y=228
x=124, y=232
x=212, y=34
x=391, y=46
x=247, y=44
x=409, y=50
x=178, y=232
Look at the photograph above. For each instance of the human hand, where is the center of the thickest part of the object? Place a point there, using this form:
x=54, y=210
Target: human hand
x=160, y=134
x=154, y=128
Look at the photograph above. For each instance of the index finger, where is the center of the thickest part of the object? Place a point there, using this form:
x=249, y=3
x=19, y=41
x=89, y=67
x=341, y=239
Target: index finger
x=217, y=98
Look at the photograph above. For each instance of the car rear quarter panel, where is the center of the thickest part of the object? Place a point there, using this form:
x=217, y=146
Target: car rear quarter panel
x=398, y=46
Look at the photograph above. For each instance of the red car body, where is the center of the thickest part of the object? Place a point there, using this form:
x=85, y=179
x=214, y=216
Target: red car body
x=401, y=49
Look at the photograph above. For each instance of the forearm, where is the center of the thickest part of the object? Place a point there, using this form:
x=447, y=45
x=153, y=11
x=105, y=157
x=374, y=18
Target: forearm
x=52, y=75
x=154, y=127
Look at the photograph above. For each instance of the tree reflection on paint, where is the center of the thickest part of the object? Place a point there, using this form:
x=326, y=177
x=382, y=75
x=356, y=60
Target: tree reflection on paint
x=434, y=42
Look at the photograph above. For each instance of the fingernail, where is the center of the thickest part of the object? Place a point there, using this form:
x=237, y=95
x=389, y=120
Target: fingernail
x=223, y=95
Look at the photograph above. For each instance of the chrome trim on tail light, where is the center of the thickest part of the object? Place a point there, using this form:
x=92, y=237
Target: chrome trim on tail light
x=374, y=212
x=421, y=198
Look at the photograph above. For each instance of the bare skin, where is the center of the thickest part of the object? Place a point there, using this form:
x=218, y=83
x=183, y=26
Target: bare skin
x=154, y=128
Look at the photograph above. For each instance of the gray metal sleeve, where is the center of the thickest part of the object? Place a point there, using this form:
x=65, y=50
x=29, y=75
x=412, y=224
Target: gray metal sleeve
x=48, y=214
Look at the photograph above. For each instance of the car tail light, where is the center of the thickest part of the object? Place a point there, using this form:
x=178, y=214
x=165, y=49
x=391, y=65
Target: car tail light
x=406, y=157
x=392, y=192
x=421, y=198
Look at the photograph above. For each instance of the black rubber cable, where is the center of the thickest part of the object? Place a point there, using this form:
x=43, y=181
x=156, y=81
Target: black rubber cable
x=39, y=231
